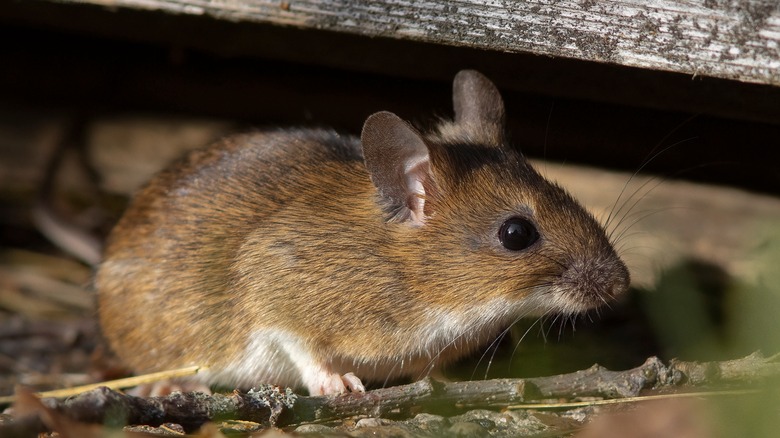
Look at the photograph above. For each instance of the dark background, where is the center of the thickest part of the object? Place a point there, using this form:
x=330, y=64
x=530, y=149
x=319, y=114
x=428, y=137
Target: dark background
x=91, y=60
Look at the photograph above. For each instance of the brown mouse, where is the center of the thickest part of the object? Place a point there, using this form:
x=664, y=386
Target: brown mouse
x=312, y=259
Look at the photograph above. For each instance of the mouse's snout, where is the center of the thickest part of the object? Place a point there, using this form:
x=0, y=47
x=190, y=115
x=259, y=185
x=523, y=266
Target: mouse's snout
x=592, y=282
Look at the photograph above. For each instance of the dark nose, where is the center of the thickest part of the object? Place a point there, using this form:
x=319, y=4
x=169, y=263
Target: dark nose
x=621, y=283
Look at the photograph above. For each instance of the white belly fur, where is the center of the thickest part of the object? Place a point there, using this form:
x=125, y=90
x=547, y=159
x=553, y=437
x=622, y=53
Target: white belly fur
x=282, y=358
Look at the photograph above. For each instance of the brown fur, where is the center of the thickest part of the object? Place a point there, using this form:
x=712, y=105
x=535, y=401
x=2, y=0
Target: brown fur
x=284, y=229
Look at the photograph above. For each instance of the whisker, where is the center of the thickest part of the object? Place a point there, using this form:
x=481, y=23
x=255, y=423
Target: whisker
x=658, y=181
x=494, y=346
x=432, y=363
x=497, y=342
x=589, y=315
x=644, y=215
x=495, y=350
x=390, y=373
x=552, y=323
x=561, y=327
x=528, y=330
x=653, y=155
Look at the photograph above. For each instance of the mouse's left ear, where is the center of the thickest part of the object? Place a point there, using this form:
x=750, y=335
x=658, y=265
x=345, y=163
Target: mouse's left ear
x=478, y=105
x=399, y=165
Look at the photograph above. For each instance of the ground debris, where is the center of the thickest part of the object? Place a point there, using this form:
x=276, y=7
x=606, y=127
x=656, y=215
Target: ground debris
x=405, y=410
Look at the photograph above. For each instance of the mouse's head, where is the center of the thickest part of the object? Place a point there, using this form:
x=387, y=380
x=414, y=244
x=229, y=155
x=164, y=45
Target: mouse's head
x=478, y=223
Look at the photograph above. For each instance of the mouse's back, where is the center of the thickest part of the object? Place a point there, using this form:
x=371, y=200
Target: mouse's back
x=167, y=285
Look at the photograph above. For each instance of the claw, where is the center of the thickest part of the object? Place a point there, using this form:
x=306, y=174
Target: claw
x=353, y=383
x=337, y=384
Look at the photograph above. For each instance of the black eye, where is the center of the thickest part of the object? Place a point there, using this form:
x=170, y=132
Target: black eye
x=517, y=234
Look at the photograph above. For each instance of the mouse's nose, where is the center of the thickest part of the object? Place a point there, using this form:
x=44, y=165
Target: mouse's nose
x=619, y=287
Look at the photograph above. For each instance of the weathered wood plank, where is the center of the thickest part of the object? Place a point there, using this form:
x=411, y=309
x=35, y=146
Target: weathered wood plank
x=727, y=39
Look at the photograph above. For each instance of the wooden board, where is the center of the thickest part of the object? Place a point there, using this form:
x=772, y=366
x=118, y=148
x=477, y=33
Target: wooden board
x=737, y=40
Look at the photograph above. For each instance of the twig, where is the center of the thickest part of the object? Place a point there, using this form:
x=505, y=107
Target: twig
x=271, y=406
x=113, y=384
x=643, y=398
x=190, y=410
x=596, y=381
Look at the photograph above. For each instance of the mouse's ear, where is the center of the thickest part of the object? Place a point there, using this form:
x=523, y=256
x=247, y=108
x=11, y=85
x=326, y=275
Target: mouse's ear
x=478, y=105
x=397, y=160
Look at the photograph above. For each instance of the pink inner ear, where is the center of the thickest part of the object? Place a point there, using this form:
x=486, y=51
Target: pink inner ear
x=416, y=173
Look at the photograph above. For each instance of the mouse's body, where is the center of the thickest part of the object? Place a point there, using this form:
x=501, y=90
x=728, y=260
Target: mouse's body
x=298, y=257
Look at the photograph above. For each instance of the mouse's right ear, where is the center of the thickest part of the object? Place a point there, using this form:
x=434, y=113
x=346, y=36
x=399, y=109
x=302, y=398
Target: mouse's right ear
x=478, y=106
x=398, y=162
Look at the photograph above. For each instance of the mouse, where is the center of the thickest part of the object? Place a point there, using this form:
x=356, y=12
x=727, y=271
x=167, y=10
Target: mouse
x=316, y=260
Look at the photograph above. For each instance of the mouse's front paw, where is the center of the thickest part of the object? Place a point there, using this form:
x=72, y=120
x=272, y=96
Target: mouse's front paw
x=353, y=383
x=337, y=384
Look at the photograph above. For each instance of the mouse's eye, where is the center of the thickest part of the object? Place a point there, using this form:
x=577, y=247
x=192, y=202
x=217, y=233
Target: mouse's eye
x=517, y=233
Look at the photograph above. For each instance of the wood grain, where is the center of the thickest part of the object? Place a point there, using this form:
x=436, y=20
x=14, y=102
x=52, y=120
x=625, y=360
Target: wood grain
x=737, y=40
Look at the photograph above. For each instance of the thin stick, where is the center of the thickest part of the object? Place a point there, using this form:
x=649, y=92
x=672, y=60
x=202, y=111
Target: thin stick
x=113, y=384
x=583, y=404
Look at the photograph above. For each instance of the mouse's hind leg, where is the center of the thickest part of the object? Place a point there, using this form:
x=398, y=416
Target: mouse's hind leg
x=318, y=377
x=283, y=358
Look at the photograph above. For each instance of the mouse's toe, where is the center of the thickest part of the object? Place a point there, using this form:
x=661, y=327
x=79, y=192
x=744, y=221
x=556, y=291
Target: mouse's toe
x=334, y=383
x=353, y=383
